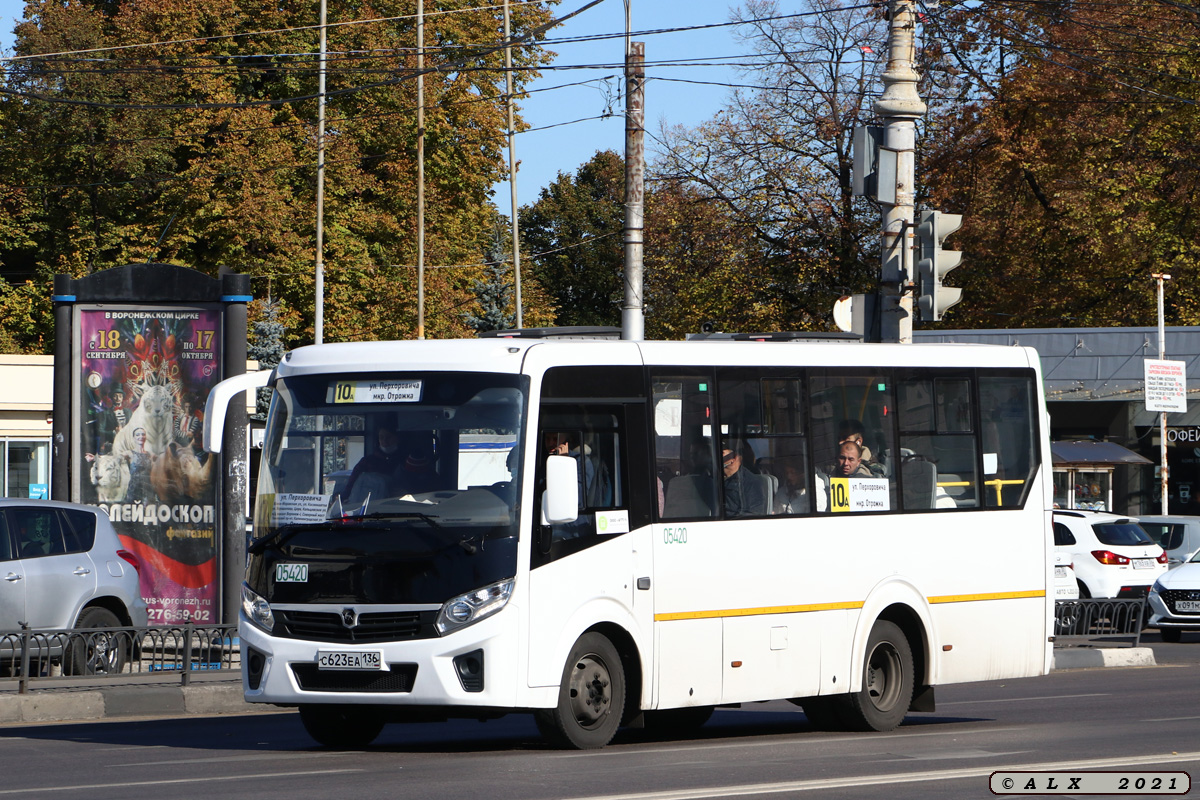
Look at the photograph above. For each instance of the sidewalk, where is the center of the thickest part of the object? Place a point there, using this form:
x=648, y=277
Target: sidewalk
x=137, y=696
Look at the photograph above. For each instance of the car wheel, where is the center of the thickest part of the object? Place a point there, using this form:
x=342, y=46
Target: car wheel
x=1084, y=594
x=1171, y=635
x=887, y=682
x=591, y=698
x=97, y=652
x=342, y=727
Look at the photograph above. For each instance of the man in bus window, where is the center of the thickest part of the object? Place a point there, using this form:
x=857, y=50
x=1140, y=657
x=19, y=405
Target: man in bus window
x=851, y=430
x=849, y=463
x=391, y=470
x=745, y=493
x=560, y=443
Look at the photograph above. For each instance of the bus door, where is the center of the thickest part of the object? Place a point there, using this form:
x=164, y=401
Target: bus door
x=586, y=571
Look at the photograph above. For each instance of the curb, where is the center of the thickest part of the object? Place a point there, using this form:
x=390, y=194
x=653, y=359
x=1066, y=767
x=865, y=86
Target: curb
x=1081, y=657
x=126, y=701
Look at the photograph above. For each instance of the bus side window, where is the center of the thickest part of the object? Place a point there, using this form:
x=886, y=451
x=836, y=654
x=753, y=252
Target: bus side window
x=853, y=439
x=1010, y=433
x=684, y=445
x=937, y=441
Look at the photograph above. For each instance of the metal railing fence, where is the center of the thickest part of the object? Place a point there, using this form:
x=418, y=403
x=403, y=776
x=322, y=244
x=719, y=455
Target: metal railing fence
x=29, y=656
x=1078, y=621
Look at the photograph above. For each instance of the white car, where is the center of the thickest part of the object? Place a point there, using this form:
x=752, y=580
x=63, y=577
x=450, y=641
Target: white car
x=64, y=567
x=1175, y=601
x=1066, y=587
x=1113, y=556
x=1177, y=534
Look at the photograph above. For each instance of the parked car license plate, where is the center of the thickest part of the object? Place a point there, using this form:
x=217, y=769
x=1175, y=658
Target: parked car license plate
x=349, y=659
x=1192, y=606
x=1143, y=563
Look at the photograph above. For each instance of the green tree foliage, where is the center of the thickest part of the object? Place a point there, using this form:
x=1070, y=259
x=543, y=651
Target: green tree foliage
x=1070, y=148
x=573, y=235
x=201, y=150
x=266, y=346
x=495, y=292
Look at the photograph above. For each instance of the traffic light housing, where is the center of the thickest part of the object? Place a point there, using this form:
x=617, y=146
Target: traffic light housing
x=933, y=263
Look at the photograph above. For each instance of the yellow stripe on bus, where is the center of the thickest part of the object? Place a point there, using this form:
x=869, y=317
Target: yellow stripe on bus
x=752, y=612
x=973, y=598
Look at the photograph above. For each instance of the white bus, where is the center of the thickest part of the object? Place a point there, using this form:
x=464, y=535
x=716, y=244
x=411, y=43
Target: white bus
x=609, y=533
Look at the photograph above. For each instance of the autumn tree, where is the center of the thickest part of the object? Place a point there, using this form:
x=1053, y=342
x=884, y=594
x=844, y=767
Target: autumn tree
x=1070, y=150
x=778, y=156
x=184, y=132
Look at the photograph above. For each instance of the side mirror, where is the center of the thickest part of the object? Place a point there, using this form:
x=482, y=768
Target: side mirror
x=560, y=501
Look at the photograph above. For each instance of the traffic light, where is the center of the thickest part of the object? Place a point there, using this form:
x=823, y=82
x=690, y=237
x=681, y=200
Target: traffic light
x=933, y=263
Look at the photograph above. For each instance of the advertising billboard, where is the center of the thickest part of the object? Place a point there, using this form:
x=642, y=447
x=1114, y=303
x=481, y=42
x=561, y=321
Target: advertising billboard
x=144, y=375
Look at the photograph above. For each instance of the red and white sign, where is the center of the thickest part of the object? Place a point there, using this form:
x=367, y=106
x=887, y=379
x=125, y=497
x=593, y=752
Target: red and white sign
x=1166, y=386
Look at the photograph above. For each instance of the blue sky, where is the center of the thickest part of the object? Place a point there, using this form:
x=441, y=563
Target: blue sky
x=544, y=153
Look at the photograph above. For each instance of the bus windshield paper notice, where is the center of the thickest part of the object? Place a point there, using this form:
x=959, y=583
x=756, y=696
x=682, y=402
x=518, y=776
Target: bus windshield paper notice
x=1166, y=386
x=375, y=392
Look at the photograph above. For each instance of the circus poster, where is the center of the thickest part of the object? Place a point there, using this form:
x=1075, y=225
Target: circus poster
x=145, y=374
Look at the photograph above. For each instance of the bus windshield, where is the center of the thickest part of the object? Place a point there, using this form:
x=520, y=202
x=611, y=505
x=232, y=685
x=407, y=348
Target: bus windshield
x=434, y=451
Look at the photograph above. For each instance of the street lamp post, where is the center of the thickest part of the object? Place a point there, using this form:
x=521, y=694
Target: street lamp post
x=1164, y=470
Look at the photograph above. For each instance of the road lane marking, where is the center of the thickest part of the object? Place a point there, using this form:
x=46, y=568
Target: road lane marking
x=263, y=756
x=1171, y=719
x=193, y=779
x=730, y=743
x=748, y=789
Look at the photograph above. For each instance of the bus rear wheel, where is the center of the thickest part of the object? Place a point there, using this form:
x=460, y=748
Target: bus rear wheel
x=591, y=698
x=887, y=682
x=342, y=727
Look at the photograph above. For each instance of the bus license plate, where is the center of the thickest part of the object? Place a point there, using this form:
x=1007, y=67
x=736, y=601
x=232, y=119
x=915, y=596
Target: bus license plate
x=1191, y=606
x=1143, y=563
x=343, y=659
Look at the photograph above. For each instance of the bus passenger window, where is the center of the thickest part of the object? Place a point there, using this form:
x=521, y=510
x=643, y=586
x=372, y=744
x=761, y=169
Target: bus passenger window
x=684, y=446
x=937, y=441
x=853, y=440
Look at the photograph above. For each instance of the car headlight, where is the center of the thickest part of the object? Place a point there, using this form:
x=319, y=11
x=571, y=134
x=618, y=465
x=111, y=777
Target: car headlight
x=257, y=609
x=469, y=608
x=1157, y=588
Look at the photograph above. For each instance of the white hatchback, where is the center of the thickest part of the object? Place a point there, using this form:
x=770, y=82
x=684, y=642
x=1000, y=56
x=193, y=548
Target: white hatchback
x=1066, y=586
x=62, y=567
x=1113, y=556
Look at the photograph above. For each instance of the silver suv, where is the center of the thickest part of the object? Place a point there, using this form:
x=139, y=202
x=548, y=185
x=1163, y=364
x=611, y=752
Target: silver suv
x=61, y=567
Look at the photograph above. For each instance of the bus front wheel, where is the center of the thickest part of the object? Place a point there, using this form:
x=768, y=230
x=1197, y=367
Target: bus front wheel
x=591, y=698
x=887, y=682
x=342, y=727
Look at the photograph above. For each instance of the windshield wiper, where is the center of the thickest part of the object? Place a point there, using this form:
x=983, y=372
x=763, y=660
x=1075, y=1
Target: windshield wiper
x=430, y=519
x=278, y=537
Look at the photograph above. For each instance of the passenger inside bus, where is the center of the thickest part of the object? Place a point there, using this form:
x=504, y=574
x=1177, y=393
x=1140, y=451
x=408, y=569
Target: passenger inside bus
x=746, y=494
x=397, y=467
x=851, y=430
x=849, y=462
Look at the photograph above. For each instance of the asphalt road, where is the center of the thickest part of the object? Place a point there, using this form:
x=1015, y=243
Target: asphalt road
x=1145, y=718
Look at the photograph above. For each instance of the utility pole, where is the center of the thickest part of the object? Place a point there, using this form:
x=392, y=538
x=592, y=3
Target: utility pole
x=1164, y=470
x=632, y=318
x=420, y=169
x=512, y=167
x=899, y=106
x=319, y=311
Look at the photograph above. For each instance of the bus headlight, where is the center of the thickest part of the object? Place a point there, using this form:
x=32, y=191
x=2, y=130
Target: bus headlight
x=257, y=609
x=469, y=608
